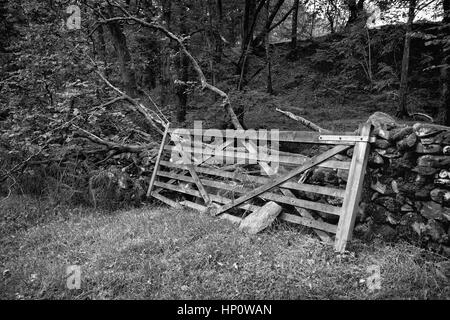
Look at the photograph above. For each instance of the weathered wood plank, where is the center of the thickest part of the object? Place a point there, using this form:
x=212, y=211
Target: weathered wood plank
x=230, y=156
x=195, y=206
x=267, y=195
x=195, y=193
x=199, y=185
x=166, y=200
x=286, y=136
x=158, y=159
x=199, y=149
x=277, y=181
x=203, y=209
x=307, y=215
x=308, y=222
x=190, y=168
x=353, y=191
x=334, y=192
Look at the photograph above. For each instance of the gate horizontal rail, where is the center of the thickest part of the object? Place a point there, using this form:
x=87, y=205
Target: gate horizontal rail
x=195, y=165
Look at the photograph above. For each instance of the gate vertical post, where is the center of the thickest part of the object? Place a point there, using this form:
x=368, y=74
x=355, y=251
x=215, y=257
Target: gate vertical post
x=158, y=159
x=353, y=190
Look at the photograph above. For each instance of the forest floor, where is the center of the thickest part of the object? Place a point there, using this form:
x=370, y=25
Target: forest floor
x=325, y=98
x=160, y=253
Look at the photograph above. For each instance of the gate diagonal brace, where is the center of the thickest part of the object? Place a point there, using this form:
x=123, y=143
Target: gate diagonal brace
x=276, y=182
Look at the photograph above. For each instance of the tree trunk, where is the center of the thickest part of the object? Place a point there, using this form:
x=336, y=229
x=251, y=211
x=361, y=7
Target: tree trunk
x=101, y=42
x=313, y=19
x=444, y=110
x=267, y=45
x=123, y=54
x=402, y=110
x=125, y=63
x=212, y=39
x=243, y=60
x=249, y=15
x=356, y=10
x=260, y=37
x=330, y=17
x=181, y=88
x=183, y=72
x=219, y=44
x=165, y=78
x=294, y=25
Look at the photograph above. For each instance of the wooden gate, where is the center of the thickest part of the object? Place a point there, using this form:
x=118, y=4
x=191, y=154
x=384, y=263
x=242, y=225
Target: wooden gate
x=208, y=173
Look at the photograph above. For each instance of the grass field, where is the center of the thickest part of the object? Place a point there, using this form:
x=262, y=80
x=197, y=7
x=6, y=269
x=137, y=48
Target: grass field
x=159, y=253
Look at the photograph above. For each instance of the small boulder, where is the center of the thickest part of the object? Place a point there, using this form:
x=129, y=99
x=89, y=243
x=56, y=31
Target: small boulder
x=433, y=210
x=400, y=133
x=428, y=148
x=375, y=160
x=406, y=208
x=427, y=141
x=376, y=212
x=434, y=161
x=446, y=150
x=389, y=203
x=425, y=170
x=423, y=194
x=408, y=142
x=443, y=174
x=424, y=130
x=435, y=231
x=386, y=232
x=443, y=138
x=411, y=226
x=442, y=182
x=381, y=119
x=440, y=196
x=260, y=219
x=382, y=143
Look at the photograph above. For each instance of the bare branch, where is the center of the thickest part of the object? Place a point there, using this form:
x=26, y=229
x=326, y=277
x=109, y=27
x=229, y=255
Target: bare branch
x=113, y=145
x=282, y=19
x=303, y=121
x=136, y=106
x=180, y=41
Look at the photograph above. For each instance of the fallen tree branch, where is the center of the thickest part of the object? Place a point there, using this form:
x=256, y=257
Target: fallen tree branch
x=303, y=121
x=161, y=116
x=423, y=115
x=132, y=148
x=282, y=19
x=136, y=106
x=21, y=165
x=145, y=135
x=112, y=101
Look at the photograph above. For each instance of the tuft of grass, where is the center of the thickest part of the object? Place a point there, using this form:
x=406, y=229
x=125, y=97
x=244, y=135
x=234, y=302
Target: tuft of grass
x=160, y=253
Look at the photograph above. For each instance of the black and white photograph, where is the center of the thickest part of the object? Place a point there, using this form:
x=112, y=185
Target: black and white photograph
x=225, y=156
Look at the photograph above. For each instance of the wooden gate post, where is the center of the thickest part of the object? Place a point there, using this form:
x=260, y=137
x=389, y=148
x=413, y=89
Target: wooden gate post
x=353, y=190
x=158, y=159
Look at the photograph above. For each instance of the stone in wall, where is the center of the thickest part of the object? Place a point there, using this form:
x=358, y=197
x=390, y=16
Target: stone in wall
x=409, y=172
x=407, y=185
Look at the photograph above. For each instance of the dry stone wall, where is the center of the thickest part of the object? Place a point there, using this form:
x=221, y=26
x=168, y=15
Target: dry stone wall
x=407, y=193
